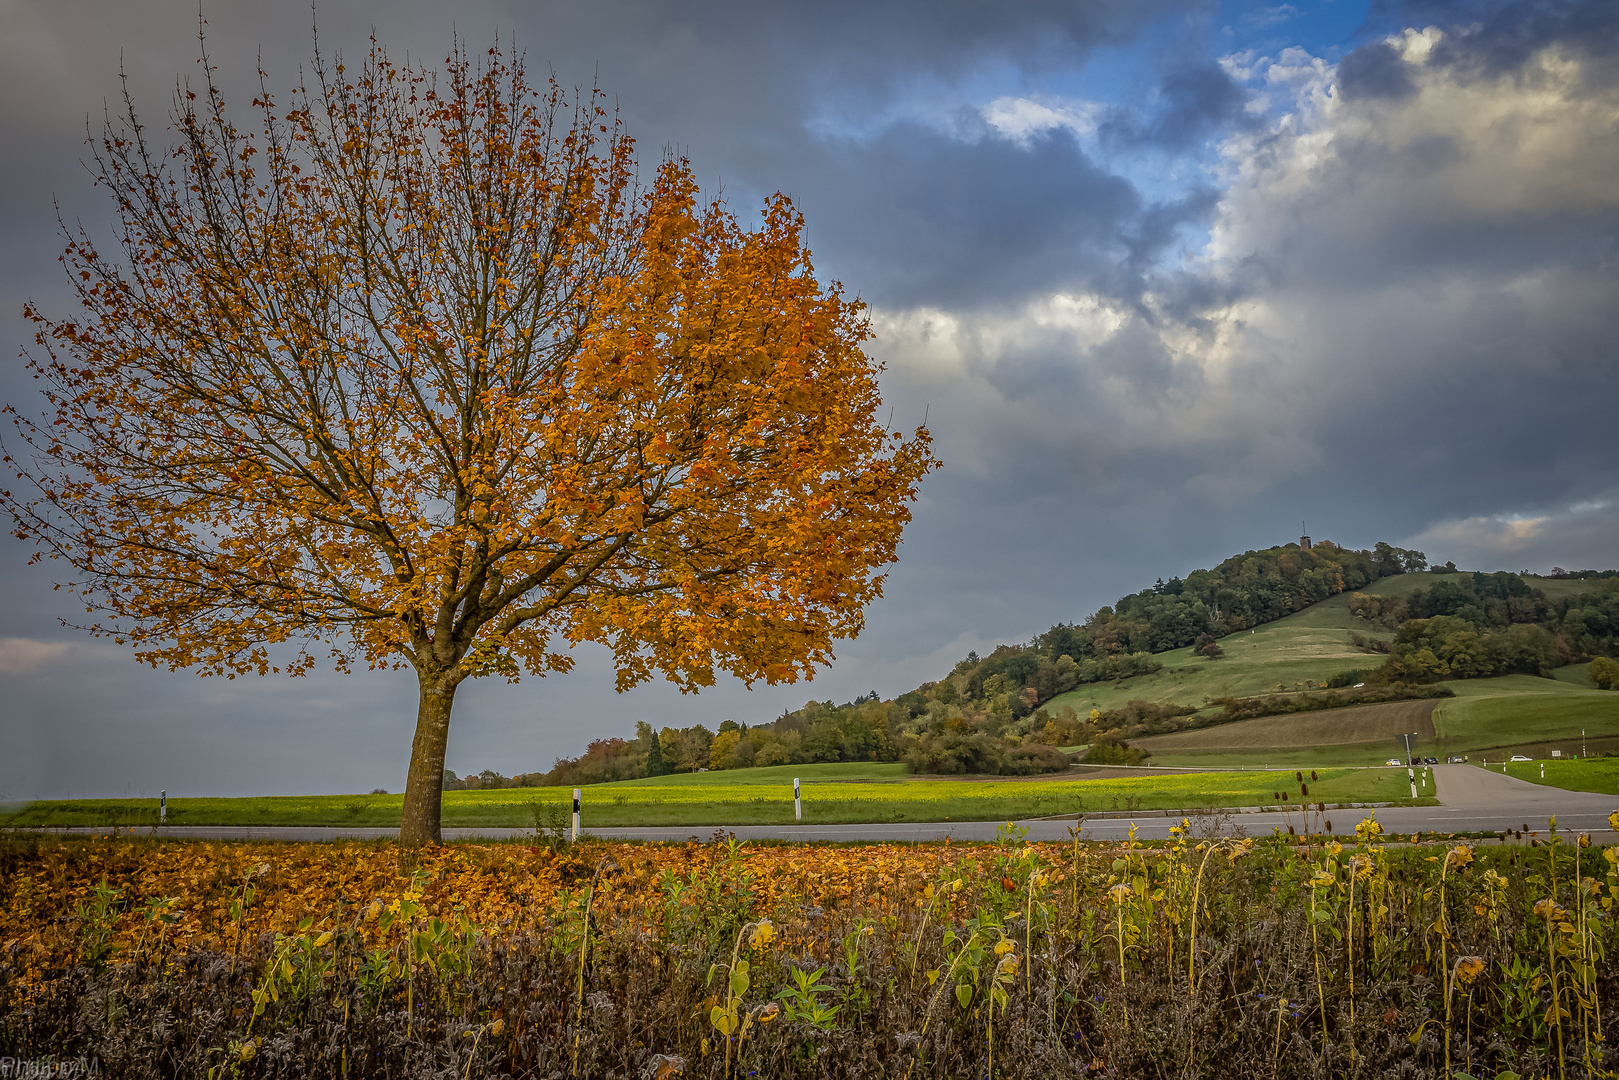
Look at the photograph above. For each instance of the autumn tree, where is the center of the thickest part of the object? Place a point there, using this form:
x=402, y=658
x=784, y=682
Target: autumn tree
x=413, y=370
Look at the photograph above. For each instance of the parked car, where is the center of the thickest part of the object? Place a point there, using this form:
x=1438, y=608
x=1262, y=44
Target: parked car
x=1519, y=757
x=1456, y=759
x=1429, y=760
x=1394, y=761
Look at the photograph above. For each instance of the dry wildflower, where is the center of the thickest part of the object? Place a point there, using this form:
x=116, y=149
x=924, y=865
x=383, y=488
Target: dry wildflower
x=1551, y=910
x=664, y=1066
x=1466, y=969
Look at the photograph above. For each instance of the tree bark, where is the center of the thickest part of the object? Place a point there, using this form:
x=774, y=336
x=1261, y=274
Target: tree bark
x=424, y=786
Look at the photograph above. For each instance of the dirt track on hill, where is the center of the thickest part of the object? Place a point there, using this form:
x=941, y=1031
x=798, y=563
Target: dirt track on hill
x=1378, y=723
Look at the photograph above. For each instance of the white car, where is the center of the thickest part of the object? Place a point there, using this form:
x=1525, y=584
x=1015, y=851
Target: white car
x=1394, y=761
x=1519, y=757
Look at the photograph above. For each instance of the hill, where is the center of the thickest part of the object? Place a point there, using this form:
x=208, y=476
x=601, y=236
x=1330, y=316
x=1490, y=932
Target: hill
x=1298, y=651
x=1262, y=632
x=1493, y=717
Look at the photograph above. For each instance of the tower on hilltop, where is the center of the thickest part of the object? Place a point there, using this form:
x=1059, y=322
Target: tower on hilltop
x=1304, y=541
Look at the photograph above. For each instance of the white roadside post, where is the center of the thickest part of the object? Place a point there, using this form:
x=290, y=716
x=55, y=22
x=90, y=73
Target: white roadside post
x=163, y=807
x=1410, y=763
x=1543, y=770
x=576, y=813
x=798, y=803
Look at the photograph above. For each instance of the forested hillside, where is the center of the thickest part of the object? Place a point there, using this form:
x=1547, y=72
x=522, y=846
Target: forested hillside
x=1484, y=625
x=985, y=715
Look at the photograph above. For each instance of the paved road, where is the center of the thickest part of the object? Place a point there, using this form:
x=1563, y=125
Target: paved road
x=1472, y=800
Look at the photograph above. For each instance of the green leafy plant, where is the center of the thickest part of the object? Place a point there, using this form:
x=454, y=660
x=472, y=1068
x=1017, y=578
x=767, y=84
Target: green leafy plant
x=802, y=999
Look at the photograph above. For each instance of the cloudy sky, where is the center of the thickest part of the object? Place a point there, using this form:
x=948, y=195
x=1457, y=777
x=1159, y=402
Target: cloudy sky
x=1165, y=278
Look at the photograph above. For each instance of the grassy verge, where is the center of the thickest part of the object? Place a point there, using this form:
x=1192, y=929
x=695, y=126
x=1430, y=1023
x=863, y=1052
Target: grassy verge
x=1600, y=775
x=714, y=803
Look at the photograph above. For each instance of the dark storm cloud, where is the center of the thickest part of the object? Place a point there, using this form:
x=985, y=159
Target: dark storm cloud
x=1500, y=36
x=1374, y=71
x=1483, y=39
x=1196, y=101
x=918, y=216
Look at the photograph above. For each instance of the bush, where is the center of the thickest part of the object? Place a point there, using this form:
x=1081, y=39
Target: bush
x=1139, y=717
x=1109, y=749
x=1033, y=758
x=954, y=753
x=1604, y=673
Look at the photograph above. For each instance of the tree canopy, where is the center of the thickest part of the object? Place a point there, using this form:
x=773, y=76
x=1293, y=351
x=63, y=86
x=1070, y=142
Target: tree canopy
x=414, y=371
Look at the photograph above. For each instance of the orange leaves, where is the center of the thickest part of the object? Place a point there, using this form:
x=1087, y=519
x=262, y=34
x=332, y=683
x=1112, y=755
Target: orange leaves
x=494, y=885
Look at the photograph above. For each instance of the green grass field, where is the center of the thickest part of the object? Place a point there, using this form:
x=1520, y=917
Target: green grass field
x=1592, y=774
x=1489, y=719
x=1359, y=735
x=733, y=798
x=1520, y=714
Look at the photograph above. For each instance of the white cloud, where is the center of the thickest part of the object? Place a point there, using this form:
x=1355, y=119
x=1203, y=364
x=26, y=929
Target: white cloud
x=18, y=656
x=1579, y=536
x=1021, y=118
x=1493, y=535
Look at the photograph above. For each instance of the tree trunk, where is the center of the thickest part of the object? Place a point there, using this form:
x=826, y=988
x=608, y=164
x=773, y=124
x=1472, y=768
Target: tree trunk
x=424, y=787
